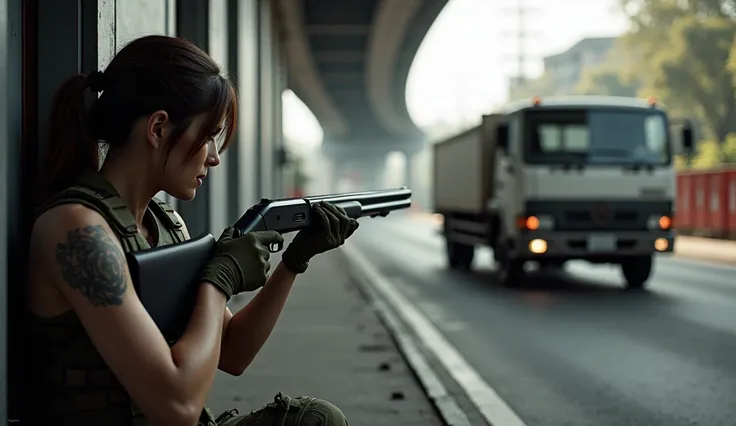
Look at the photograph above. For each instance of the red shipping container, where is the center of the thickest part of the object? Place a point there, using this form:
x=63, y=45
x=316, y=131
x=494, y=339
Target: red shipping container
x=698, y=203
x=731, y=222
x=717, y=203
x=684, y=220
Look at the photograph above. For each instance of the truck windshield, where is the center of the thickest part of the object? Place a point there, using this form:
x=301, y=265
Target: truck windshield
x=597, y=137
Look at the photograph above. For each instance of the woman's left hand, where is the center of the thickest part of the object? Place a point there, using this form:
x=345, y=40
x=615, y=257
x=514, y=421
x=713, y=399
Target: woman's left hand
x=331, y=226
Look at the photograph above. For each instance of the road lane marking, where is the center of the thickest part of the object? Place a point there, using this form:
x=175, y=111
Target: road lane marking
x=491, y=406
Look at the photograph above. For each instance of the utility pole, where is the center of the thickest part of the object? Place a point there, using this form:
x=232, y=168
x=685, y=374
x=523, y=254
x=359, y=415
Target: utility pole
x=521, y=34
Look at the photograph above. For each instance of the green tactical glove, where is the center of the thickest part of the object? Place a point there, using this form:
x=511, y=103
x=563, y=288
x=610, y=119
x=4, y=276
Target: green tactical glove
x=329, y=229
x=240, y=263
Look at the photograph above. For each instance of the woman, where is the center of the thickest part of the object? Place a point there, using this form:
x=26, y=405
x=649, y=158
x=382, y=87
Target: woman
x=99, y=358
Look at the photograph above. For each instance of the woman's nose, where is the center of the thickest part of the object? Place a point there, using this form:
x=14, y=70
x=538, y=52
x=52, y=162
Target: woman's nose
x=213, y=157
x=213, y=160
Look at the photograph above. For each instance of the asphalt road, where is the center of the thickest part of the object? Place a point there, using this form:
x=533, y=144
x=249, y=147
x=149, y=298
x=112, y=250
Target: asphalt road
x=573, y=348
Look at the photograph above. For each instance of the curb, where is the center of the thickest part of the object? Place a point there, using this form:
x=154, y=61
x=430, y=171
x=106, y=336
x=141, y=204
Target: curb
x=444, y=404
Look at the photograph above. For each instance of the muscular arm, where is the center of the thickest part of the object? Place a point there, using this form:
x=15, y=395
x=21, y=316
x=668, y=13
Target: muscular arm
x=73, y=249
x=249, y=329
x=245, y=333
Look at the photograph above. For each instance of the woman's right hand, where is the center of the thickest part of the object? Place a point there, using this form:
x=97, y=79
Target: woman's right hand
x=240, y=263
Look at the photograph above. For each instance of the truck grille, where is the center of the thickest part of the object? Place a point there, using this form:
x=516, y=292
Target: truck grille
x=591, y=215
x=625, y=219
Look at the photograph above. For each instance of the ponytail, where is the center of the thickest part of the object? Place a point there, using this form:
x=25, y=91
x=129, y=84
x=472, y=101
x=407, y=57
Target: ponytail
x=72, y=148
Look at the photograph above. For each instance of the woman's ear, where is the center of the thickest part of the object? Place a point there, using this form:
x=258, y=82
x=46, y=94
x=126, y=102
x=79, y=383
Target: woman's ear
x=157, y=129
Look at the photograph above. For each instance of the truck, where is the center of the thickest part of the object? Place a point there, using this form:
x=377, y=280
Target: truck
x=549, y=180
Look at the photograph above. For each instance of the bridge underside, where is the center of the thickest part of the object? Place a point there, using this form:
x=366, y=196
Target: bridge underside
x=351, y=65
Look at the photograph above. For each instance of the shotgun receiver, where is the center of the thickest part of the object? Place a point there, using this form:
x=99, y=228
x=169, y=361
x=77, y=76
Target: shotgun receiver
x=166, y=278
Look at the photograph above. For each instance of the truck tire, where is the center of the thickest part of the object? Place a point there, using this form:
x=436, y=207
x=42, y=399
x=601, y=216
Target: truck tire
x=511, y=273
x=636, y=272
x=460, y=256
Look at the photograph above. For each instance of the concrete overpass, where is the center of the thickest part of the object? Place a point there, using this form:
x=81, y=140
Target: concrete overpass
x=349, y=61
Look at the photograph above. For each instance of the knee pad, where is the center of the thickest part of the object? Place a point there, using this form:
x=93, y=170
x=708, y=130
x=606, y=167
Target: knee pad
x=318, y=412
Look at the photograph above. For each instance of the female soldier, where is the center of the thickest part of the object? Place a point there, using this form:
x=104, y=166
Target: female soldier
x=99, y=357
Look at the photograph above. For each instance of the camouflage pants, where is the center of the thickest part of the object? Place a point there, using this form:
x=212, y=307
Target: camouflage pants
x=283, y=411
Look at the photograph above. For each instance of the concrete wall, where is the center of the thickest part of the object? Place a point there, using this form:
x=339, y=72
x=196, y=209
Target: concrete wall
x=69, y=37
x=260, y=77
x=218, y=49
x=134, y=19
x=10, y=187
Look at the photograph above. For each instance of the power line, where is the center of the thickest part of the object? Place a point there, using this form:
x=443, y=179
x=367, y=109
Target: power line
x=521, y=34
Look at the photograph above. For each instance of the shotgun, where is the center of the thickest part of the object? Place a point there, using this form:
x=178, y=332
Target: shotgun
x=166, y=278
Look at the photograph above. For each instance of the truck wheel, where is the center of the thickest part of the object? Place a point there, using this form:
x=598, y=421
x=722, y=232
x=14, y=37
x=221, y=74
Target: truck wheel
x=511, y=273
x=460, y=256
x=636, y=271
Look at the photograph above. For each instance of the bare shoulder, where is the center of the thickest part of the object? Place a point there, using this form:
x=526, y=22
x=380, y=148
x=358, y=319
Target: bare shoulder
x=77, y=242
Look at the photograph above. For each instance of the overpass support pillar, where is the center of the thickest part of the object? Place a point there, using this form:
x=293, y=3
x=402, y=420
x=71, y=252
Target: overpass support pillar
x=371, y=172
x=409, y=170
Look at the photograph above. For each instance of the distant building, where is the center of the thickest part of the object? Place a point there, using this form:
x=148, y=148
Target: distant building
x=564, y=69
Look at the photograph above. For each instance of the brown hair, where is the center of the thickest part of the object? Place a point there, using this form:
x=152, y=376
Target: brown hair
x=149, y=74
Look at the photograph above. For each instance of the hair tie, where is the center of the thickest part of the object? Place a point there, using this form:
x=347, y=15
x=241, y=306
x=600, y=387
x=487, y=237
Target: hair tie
x=95, y=81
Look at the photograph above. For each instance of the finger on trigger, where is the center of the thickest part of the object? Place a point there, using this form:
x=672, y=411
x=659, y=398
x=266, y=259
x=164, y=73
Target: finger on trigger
x=275, y=237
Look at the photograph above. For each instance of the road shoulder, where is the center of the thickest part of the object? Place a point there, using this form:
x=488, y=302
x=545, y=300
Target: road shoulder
x=709, y=249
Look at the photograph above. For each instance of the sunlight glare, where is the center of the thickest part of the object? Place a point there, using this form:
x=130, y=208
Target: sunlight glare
x=300, y=126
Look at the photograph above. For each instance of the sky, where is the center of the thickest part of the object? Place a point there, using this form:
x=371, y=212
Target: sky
x=463, y=65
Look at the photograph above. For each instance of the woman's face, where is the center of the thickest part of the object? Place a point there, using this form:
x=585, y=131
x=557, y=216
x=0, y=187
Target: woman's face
x=183, y=175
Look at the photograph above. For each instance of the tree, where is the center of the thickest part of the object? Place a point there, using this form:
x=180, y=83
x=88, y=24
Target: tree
x=613, y=77
x=686, y=49
x=606, y=82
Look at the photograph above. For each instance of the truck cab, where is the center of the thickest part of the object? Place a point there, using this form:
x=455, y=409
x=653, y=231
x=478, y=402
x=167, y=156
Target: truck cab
x=589, y=178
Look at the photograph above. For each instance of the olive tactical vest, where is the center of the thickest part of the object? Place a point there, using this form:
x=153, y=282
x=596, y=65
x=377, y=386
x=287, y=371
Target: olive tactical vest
x=71, y=383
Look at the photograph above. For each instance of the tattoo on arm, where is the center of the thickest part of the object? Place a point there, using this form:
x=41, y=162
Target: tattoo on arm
x=91, y=263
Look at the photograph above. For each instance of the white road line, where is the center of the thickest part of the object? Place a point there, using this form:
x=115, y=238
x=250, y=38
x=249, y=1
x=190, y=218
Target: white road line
x=493, y=409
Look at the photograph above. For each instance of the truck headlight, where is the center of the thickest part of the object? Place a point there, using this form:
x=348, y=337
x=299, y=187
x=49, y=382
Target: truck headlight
x=658, y=221
x=538, y=222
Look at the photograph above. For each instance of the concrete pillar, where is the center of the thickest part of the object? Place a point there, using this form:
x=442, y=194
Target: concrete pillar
x=266, y=146
x=372, y=170
x=279, y=86
x=129, y=20
x=246, y=147
x=234, y=168
x=15, y=203
x=219, y=200
x=257, y=69
x=272, y=79
x=42, y=43
x=409, y=170
x=192, y=23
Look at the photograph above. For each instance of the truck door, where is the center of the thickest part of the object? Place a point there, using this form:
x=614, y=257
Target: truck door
x=507, y=175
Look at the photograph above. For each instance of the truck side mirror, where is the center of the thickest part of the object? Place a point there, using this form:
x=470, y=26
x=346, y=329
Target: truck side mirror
x=687, y=138
x=502, y=136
